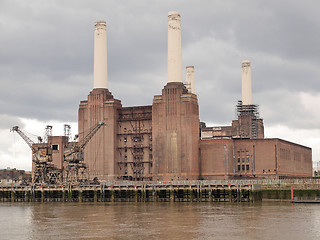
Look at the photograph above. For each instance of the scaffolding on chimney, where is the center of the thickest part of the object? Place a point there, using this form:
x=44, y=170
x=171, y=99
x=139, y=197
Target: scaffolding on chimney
x=249, y=110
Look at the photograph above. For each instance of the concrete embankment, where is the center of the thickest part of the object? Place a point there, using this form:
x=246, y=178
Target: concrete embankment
x=174, y=191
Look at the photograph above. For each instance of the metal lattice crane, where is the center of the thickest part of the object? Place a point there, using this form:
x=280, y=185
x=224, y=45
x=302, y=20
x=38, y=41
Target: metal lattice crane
x=76, y=169
x=44, y=171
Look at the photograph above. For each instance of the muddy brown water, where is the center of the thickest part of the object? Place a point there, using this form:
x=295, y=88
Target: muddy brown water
x=266, y=220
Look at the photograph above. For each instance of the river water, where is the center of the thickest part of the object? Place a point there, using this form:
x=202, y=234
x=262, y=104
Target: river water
x=266, y=220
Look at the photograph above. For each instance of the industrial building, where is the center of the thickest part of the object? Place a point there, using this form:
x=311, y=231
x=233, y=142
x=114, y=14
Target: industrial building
x=166, y=140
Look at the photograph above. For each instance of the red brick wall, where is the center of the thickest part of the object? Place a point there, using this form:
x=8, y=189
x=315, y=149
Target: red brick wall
x=175, y=134
x=101, y=152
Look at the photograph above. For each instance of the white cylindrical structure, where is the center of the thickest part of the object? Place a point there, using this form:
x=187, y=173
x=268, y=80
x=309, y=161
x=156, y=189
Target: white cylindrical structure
x=246, y=83
x=100, y=55
x=174, y=48
x=190, y=79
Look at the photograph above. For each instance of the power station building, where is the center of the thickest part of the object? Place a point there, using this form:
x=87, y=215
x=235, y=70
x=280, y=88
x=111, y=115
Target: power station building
x=167, y=141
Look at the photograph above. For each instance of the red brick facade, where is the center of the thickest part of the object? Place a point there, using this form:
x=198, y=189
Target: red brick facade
x=162, y=142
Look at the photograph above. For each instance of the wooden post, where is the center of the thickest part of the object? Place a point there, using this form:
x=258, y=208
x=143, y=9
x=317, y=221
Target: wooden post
x=42, y=195
x=95, y=195
x=135, y=192
x=210, y=194
x=80, y=196
x=13, y=195
x=112, y=195
x=102, y=196
x=171, y=195
x=230, y=195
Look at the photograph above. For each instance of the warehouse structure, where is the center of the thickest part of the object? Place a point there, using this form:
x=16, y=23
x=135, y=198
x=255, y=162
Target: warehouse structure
x=167, y=141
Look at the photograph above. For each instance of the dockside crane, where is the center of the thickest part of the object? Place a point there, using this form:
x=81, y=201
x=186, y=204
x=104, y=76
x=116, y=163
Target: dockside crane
x=76, y=169
x=43, y=170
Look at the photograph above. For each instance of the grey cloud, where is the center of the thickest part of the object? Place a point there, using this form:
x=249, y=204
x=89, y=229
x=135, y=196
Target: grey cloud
x=46, y=58
x=8, y=121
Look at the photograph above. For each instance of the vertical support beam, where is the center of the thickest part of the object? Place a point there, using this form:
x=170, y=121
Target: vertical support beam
x=70, y=193
x=26, y=197
x=13, y=195
x=230, y=195
x=136, y=195
x=210, y=194
x=95, y=195
x=63, y=195
x=191, y=195
x=80, y=195
x=102, y=197
x=112, y=195
x=171, y=195
x=42, y=195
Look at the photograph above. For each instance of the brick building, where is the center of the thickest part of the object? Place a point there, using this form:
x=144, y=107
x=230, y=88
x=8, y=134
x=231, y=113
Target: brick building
x=165, y=141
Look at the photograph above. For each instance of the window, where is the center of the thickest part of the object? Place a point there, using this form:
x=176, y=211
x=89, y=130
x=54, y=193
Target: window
x=242, y=167
x=238, y=167
x=125, y=149
x=55, y=147
x=238, y=159
x=125, y=139
x=247, y=167
x=125, y=157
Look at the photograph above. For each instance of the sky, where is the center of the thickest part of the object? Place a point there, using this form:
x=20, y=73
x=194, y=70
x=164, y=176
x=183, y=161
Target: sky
x=46, y=62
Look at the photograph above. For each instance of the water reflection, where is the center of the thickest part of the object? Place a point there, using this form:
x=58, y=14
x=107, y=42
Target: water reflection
x=159, y=221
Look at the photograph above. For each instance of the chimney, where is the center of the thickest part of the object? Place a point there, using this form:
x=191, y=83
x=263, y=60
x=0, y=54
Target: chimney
x=100, y=55
x=174, y=48
x=190, y=79
x=246, y=83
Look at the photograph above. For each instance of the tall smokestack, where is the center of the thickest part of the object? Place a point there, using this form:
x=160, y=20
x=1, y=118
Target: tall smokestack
x=190, y=79
x=174, y=48
x=100, y=55
x=246, y=83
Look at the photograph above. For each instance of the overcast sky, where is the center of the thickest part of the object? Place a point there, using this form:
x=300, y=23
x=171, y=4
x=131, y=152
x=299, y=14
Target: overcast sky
x=46, y=62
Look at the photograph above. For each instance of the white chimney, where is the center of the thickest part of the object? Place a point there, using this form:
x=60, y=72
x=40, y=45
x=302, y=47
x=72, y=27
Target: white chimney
x=100, y=55
x=246, y=83
x=174, y=48
x=190, y=79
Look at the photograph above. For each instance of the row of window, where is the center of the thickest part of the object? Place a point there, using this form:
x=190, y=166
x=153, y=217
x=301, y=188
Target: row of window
x=243, y=167
x=247, y=159
x=135, y=139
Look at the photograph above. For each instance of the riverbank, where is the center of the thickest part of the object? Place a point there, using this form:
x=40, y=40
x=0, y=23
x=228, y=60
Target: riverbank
x=175, y=191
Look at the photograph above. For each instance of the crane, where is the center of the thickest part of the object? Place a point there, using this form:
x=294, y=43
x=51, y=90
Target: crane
x=73, y=156
x=44, y=171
